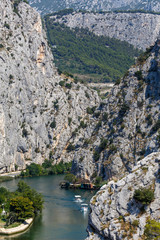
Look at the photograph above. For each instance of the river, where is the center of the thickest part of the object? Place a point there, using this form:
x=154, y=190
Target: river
x=61, y=218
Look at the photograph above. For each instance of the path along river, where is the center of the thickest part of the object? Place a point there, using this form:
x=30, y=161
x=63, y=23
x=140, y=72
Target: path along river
x=61, y=218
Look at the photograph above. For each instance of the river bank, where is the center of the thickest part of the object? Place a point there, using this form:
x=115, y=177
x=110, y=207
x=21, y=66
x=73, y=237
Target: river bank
x=11, y=174
x=21, y=228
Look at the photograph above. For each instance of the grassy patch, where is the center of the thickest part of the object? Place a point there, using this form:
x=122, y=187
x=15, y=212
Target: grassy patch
x=15, y=224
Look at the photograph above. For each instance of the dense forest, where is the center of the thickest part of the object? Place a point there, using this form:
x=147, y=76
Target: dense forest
x=87, y=56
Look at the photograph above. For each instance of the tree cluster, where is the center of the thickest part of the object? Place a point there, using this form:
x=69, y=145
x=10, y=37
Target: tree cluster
x=46, y=169
x=22, y=204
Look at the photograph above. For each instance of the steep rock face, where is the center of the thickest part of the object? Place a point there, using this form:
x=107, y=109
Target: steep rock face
x=115, y=214
x=37, y=114
x=139, y=29
x=48, y=6
x=126, y=126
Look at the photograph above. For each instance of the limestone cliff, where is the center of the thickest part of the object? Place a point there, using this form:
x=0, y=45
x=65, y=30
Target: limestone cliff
x=37, y=114
x=48, y=6
x=126, y=126
x=139, y=29
x=116, y=214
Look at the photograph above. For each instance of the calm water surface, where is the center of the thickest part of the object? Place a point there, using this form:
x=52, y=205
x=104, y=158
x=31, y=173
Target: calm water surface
x=61, y=218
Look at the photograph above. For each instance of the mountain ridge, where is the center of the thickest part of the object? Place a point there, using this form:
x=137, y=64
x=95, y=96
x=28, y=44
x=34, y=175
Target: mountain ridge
x=52, y=6
x=139, y=29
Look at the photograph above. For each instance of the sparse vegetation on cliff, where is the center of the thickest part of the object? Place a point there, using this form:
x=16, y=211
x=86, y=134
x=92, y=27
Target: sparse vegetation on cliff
x=144, y=195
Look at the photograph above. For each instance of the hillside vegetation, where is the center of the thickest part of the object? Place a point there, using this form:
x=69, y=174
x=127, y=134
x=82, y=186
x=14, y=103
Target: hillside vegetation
x=87, y=56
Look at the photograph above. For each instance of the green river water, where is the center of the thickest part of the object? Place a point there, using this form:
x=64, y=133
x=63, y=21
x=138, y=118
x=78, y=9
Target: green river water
x=61, y=218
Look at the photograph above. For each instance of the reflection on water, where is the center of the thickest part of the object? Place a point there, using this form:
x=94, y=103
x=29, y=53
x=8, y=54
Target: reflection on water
x=61, y=218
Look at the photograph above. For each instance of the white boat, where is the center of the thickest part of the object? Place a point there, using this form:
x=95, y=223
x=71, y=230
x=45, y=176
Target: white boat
x=77, y=198
x=84, y=207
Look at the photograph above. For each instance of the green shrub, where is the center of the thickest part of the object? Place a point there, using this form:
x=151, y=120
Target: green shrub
x=97, y=114
x=103, y=144
x=152, y=230
x=69, y=121
x=24, y=132
x=98, y=180
x=144, y=195
x=158, y=139
x=47, y=164
x=91, y=110
x=135, y=223
x=139, y=75
x=143, y=57
x=60, y=168
x=98, y=125
x=138, y=129
x=53, y=124
x=105, y=117
x=61, y=83
x=149, y=119
x=34, y=169
x=94, y=175
x=112, y=148
x=70, y=147
x=86, y=142
x=86, y=94
x=1, y=45
x=11, y=77
x=118, y=81
x=68, y=85
x=56, y=106
x=96, y=155
x=83, y=125
x=7, y=25
x=37, y=150
x=156, y=126
x=70, y=178
x=124, y=108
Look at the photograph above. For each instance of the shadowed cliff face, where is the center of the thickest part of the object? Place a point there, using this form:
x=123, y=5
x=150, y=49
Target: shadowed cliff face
x=125, y=127
x=37, y=114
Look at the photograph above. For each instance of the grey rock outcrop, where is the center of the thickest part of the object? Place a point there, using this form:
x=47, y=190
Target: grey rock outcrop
x=139, y=29
x=115, y=214
x=47, y=6
x=126, y=126
x=37, y=115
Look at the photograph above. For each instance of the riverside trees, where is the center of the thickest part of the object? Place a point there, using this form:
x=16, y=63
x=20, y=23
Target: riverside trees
x=19, y=205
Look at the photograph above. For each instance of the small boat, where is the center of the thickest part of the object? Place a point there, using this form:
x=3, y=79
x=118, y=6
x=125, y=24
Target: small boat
x=84, y=207
x=77, y=198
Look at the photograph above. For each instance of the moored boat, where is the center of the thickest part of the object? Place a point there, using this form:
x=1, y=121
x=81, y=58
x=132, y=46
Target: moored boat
x=84, y=207
x=77, y=198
